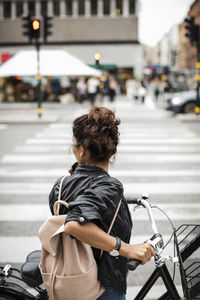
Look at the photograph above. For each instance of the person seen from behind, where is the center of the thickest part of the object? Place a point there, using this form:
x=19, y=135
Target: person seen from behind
x=81, y=89
x=112, y=88
x=92, y=87
x=93, y=197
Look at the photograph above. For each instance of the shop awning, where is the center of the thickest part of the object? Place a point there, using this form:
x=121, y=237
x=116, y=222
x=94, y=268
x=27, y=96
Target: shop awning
x=106, y=67
x=52, y=63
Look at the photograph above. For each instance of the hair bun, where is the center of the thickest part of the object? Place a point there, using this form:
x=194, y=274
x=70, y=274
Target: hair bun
x=99, y=134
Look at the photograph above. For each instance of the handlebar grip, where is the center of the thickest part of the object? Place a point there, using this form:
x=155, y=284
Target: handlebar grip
x=132, y=264
x=132, y=200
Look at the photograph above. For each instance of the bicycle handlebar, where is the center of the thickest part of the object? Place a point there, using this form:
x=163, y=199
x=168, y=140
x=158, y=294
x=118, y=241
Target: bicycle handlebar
x=131, y=200
x=132, y=264
x=156, y=241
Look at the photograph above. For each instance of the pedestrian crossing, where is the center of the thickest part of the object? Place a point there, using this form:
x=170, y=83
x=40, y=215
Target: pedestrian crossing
x=3, y=126
x=39, y=212
x=155, y=155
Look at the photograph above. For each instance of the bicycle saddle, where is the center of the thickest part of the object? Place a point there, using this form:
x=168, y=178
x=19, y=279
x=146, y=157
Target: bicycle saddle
x=30, y=271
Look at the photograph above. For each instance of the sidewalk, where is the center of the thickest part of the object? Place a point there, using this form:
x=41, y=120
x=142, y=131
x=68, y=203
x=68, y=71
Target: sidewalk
x=23, y=113
x=27, y=112
x=55, y=112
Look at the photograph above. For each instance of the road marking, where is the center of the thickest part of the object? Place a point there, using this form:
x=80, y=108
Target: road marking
x=136, y=158
x=165, y=188
x=158, y=158
x=3, y=126
x=50, y=173
x=132, y=135
x=129, y=141
x=21, y=246
x=47, y=158
x=39, y=212
x=127, y=127
x=37, y=148
x=56, y=172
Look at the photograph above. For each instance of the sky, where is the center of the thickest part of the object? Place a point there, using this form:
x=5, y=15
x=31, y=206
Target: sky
x=156, y=18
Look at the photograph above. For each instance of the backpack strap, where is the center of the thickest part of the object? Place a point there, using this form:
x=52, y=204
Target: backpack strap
x=56, y=206
x=113, y=220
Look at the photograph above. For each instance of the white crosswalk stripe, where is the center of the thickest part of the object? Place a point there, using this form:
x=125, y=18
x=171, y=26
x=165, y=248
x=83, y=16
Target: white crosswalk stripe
x=153, y=153
x=3, y=126
x=39, y=212
x=35, y=148
x=123, y=141
x=136, y=158
x=32, y=242
x=56, y=172
x=42, y=188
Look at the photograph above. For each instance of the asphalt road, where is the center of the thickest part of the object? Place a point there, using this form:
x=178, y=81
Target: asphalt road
x=158, y=154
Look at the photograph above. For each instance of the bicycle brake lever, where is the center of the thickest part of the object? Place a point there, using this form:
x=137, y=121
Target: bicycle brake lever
x=138, y=206
x=156, y=241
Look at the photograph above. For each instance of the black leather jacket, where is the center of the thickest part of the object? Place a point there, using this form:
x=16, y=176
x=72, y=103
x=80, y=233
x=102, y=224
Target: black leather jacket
x=93, y=196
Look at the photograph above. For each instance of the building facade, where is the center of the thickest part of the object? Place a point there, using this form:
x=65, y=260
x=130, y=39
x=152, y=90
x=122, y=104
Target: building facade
x=82, y=27
x=187, y=53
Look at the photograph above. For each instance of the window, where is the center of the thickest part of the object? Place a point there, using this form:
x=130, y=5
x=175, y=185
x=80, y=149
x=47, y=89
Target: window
x=19, y=8
x=106, y=7
x=31, y=8
x=69, y=7
x=119, y=7
x=93, y=4
x=7, y=9
x=132, y=6
x=56, y=8
x=81, y=7
x=43, y=7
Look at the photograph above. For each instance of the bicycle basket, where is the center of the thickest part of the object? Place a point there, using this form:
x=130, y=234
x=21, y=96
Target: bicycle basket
x=188, y=249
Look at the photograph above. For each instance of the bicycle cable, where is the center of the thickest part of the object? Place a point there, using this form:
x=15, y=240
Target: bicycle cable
x=172, y=235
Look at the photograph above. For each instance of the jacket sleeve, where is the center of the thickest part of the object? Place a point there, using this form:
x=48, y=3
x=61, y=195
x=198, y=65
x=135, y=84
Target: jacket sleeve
x=94, y=202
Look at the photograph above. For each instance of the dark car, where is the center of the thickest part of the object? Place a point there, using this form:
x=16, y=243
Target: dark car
x=182, y=102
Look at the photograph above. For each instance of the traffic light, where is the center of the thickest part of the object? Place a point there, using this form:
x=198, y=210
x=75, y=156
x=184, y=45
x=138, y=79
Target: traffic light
x=97, y=58
x=192, y=30
x=35, y=29
x=26, y=25
x=47, y=24
x=32, y=27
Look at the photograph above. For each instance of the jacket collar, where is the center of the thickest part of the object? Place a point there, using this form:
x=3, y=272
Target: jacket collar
x=90, y=170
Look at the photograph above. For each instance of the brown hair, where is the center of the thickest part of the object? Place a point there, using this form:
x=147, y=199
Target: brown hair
x=97, y=132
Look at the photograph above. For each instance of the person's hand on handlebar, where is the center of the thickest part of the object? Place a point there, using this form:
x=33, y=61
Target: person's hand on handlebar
x=142, y=252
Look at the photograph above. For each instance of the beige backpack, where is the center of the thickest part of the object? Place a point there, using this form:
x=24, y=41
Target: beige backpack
x=68, y=267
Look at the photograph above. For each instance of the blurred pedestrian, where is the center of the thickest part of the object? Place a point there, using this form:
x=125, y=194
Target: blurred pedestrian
x=130, y=88
x=92, y=87
x=142, y=92
x=136, y=90
x=56, y=88
x=112, y=88
x=81, y=90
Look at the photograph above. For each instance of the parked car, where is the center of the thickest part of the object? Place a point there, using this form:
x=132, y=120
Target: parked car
x=181, y=102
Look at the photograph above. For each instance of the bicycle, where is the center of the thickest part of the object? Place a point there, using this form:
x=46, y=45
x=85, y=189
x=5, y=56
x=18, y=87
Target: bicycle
x=190, y=274
x=187, y=242
x=28, y=274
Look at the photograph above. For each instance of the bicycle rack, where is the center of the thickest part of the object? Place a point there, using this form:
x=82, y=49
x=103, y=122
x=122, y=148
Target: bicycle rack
x=188, y=249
